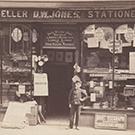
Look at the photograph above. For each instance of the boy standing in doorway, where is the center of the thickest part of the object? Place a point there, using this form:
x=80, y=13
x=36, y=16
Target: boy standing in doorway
x=76, y=96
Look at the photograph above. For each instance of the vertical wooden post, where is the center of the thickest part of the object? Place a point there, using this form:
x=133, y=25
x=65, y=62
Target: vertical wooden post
x=1, y=48
x=113, y=69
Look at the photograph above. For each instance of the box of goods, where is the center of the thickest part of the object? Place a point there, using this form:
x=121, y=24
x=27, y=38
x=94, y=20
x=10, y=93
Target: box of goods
x=32, y=119
x=5, y=86
x=34, y=110
x=96, y=105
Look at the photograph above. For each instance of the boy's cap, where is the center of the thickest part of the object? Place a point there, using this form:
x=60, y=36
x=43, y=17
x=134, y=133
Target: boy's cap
x=78, y=81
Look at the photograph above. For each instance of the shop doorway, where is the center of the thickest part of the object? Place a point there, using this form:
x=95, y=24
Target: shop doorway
x=59, y=78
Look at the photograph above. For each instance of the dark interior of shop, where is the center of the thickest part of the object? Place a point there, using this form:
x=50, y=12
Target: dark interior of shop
x=59, y=78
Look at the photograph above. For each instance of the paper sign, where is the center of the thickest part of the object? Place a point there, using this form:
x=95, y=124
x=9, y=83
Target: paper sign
x=110, y=84
x=93, y=97
x=90, y=29
x=101, y=84
x=92, y=42
x=21, y=89
x=91, y=84
x=133, y=41
x=122, y=29
x=132, y=62
x=40, y=84
x=99, y=34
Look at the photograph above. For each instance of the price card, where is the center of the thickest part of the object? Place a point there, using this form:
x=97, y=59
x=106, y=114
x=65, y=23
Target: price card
x=21, y=89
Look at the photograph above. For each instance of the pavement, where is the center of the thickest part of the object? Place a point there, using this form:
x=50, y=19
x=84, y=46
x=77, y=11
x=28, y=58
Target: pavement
x=59, y=127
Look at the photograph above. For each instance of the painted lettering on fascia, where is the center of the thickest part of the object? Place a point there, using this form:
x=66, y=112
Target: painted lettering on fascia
x=103, y=14
x=13, y=13
x=58, y=14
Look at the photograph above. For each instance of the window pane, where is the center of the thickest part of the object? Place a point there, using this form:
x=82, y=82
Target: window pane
x=124, y=64
x=16, y=64
x=97, y=64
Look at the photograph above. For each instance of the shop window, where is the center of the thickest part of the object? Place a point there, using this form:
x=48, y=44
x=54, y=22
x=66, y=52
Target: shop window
x=108, y=66
x=16, y=61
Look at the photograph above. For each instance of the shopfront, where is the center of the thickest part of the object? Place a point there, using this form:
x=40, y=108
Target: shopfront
x=99, y=37
x=24, y=47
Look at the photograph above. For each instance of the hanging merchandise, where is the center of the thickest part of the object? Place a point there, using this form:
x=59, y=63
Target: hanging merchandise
x=77, y=68
x=108, y=36
x=34, y=60
x=40, y=63
x=45, y=58
x=76, y=78
x=99, y=34
x=129, y=35
x=90, y=29
x=16, y=34
x=41, y=59
x=34, y=36
x=25, y=36
x=122, y=29
x=118, y=46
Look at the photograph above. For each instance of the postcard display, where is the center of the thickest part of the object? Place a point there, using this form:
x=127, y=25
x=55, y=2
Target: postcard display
x=109, y=71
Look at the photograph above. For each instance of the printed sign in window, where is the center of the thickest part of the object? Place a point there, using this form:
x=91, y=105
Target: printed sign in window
x=111, y=121
x=40, y=84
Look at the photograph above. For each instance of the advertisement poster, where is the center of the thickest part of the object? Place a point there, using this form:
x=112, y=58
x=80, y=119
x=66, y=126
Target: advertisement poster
x=132, y=62
x=40, y=84
x=111, y=121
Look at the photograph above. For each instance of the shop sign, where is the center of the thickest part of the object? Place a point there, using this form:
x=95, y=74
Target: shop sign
x=47, y=14
x=111, y=121
x=60, y=38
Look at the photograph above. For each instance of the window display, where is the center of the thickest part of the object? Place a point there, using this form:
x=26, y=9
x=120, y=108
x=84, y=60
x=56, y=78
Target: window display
x=108, y=65
x=16, y=62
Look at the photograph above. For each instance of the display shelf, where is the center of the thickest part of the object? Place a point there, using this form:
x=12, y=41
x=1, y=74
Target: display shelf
x=107, y=74
x=17, y=70
x=17, y=83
